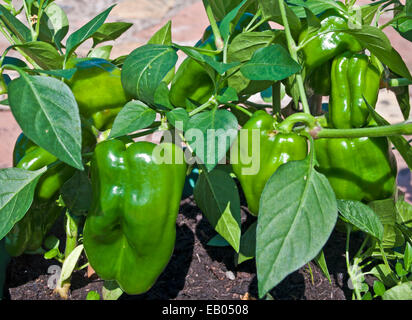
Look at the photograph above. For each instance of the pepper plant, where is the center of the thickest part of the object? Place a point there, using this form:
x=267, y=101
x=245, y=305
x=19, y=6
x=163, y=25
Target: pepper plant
x=306, y=169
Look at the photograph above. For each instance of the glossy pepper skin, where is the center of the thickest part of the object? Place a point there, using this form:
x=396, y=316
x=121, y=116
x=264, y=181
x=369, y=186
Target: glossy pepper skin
x=192, y=81
x=353, y=77
x=275, y=150
x=97, y=87
x=362, y=169
x=28, y=234
x=129, y=233
x=325, y=47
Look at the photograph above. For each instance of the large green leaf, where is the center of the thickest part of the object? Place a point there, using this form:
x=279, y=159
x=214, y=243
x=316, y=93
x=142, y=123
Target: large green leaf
x=86, y=31
x=47, y=112
x=14, y=25
x=134, y=116
x=145, y=68
x=216, y=194
x=361, y=216
x=271, y=63
x=43, y=53
x=16, y=195
x=110, y=31
x=210, y=135
x=298, y=212
x=400, y=292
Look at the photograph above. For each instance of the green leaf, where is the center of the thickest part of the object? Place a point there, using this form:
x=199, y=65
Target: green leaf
x=16, y=195
x=77, y=193
x=93, y=295
x=14, y=25
x=272, y=63
x=407, y=257
x=210, y=135
x=178, y=115
x=111, y=290
x=101, y=52
x=163, y=35
x=362, y=217
x=145, y=68
x=161, y=97
x=216, y=194
x=384, y=274
x=387, y=213
x=402, y=291
x=241, y=49
x=378, y=43
x=207, y=61
x=321, y=263
x=403, y=98
x=110, y=31
x=54, y=25
x=271, y=11
x=43, y=53
x=218, y=241
x=225, y=25
x=47, y=112
x=379, y=288
x=85, y=32
x=248, y=244
x=298, y=212
x=70, y=263
x=227, y=95
x=134, y=116
x=401, y=144
x=221, y=8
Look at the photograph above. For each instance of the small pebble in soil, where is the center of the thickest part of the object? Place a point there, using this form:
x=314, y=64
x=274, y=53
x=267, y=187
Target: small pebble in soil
x=230, y=275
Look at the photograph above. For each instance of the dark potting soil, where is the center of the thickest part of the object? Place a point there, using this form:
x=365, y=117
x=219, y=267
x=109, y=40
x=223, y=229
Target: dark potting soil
x=196, y=271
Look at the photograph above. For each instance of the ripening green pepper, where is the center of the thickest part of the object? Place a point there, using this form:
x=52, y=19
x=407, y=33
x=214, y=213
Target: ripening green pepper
x=192, y=81
x=362, y=169
x=325, y=45
x=353, y=77
x=254, y=167
x=319, y=81
x=28, y=234
x=129, y=233
x=96, y=86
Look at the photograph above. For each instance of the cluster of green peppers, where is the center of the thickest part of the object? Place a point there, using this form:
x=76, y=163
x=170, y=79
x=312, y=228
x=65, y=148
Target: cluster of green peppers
x=28, y=234
x=362, y=169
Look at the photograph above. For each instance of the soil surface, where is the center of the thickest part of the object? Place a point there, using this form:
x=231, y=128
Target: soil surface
x=196, y=271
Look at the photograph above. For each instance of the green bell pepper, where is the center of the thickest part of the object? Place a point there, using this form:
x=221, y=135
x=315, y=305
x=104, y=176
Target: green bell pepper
x=275, y=150
x=192, y=81
x=129, y=233
x=353, y=77
x=362, y=169
x=28, y=234
x=97, y=87
x=326, y=45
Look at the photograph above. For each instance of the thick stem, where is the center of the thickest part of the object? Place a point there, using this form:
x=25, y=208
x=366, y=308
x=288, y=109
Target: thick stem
x=294, y=54
x=404, y=128
x=216, y=32
x=276, y=99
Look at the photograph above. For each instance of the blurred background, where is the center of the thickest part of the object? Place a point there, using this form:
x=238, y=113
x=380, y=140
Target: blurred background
x=188, y=23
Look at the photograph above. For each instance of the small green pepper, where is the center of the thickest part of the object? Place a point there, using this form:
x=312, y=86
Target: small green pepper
x=275, y=150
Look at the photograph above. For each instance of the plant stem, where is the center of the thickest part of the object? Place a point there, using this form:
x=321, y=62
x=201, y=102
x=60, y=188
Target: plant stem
x=401, y=82
x=404, y=128
x=210, y=102
x=293, y=52
x=216, y=32
x=276, y=100
x=237, y=107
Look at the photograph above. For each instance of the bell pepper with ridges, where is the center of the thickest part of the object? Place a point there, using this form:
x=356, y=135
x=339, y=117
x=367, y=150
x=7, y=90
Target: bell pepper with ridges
x=130, y=231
